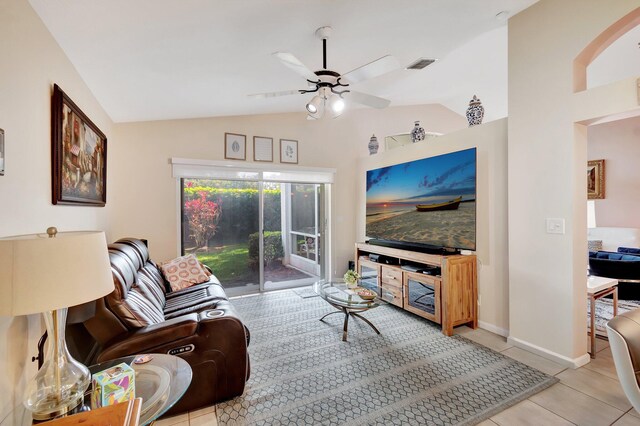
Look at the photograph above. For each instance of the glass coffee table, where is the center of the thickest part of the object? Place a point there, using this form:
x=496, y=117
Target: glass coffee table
x=346, y=301
x=160, y=383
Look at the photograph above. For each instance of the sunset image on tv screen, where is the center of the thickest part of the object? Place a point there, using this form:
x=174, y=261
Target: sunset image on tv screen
x=429, y=201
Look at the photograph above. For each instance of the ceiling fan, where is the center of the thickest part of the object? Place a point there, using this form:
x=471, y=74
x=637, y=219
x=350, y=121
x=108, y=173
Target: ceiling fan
x=332, y=88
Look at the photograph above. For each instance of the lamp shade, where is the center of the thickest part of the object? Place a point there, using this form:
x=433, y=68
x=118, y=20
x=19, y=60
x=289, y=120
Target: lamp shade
x=39, y=273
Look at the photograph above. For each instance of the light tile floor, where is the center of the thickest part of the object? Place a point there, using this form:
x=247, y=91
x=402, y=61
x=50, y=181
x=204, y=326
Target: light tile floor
x=590, y=395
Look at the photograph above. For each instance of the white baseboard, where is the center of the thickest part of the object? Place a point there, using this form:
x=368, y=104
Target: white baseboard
x=560, y=359
x=493, y=328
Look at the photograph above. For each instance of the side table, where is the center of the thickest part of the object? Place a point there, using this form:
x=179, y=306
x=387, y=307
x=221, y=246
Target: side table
x=597, y=288
x=160, y=383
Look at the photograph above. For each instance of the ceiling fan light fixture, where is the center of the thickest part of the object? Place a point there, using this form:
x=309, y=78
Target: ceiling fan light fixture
x=328, y=86
x=314, y=105
x=336, y=103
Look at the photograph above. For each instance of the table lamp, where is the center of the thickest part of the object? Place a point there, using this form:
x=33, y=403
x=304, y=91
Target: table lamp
x=48, y=273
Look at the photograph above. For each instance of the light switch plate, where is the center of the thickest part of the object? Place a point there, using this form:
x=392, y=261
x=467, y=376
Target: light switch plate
x=555, y=226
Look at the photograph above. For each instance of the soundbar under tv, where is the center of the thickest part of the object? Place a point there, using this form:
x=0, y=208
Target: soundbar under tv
x=420, y=248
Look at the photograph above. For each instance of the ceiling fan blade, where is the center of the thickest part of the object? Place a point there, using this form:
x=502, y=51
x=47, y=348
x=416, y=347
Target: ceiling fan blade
x=274, y=94
x=290, y=61
x=373, y=69
x=368, y=100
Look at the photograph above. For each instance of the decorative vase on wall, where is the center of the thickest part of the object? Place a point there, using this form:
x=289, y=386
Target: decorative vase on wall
x=417, y=134
x=475, y=112
x=373, y=145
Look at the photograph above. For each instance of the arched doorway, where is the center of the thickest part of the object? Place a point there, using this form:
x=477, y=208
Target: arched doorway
x=548, y=115
x=603, y=104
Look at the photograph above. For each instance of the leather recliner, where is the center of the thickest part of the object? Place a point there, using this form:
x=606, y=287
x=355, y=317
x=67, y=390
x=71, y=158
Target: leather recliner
x=142, y=315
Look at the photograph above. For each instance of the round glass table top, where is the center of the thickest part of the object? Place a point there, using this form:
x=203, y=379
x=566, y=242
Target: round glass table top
x=160, y=383
x=337, y=294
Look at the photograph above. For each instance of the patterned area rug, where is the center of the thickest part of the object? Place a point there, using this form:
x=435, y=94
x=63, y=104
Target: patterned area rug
x=303, y=374
x=604, y=312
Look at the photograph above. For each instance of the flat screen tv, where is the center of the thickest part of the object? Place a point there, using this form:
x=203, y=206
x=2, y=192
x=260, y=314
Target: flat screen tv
x=428, y=203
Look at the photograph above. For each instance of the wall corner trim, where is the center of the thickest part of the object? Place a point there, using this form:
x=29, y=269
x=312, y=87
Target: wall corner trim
x=553, y=356
x=493, y=328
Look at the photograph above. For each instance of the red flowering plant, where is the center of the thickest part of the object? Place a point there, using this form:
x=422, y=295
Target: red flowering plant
x=203, y=216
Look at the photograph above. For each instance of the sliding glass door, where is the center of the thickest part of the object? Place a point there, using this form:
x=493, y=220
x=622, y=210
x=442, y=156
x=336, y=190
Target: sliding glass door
x=220, y=226
x=305, y=227
x=291, y=235
x=255, y=236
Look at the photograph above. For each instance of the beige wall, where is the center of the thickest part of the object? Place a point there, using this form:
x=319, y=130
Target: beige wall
x=31, y=63
x=547, y=153
x=147, y=194
x=491, y=215
x=618, y=142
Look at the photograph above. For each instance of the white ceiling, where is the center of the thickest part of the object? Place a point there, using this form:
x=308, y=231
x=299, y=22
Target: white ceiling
x=161, y=59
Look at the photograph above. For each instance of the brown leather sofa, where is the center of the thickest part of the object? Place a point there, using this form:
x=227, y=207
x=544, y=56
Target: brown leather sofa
x=198, y=324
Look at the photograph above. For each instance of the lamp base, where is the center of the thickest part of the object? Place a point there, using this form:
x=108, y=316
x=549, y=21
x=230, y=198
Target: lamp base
x=59, y=385
x=49, y=408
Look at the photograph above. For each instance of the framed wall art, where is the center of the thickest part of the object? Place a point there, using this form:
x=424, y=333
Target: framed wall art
x=288, y=151
x=235, y=146
x=262, y=149
x=595, y=179
x=1, y=152
x=78, y=155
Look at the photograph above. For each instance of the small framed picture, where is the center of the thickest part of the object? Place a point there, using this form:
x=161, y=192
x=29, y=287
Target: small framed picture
x=262, y=149
x=1, y=152
x=235, y=146
x=288, y=151
x=595, y=179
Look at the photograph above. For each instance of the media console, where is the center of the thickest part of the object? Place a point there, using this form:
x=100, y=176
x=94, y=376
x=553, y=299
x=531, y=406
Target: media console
x=449, y=298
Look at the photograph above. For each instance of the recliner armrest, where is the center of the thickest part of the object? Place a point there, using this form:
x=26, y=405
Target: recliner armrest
x=146, y=338
x=193, y=289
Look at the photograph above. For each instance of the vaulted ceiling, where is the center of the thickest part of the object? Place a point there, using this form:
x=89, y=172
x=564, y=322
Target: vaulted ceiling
x=161, y=59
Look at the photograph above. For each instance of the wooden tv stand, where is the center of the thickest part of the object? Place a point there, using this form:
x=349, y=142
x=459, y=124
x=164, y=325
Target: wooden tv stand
x=449, y=298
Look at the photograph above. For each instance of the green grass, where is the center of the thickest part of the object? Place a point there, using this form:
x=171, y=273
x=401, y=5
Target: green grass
x=230, y=264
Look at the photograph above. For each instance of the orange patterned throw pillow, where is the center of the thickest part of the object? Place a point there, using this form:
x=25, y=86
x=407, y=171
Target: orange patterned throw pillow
x=183, y=272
